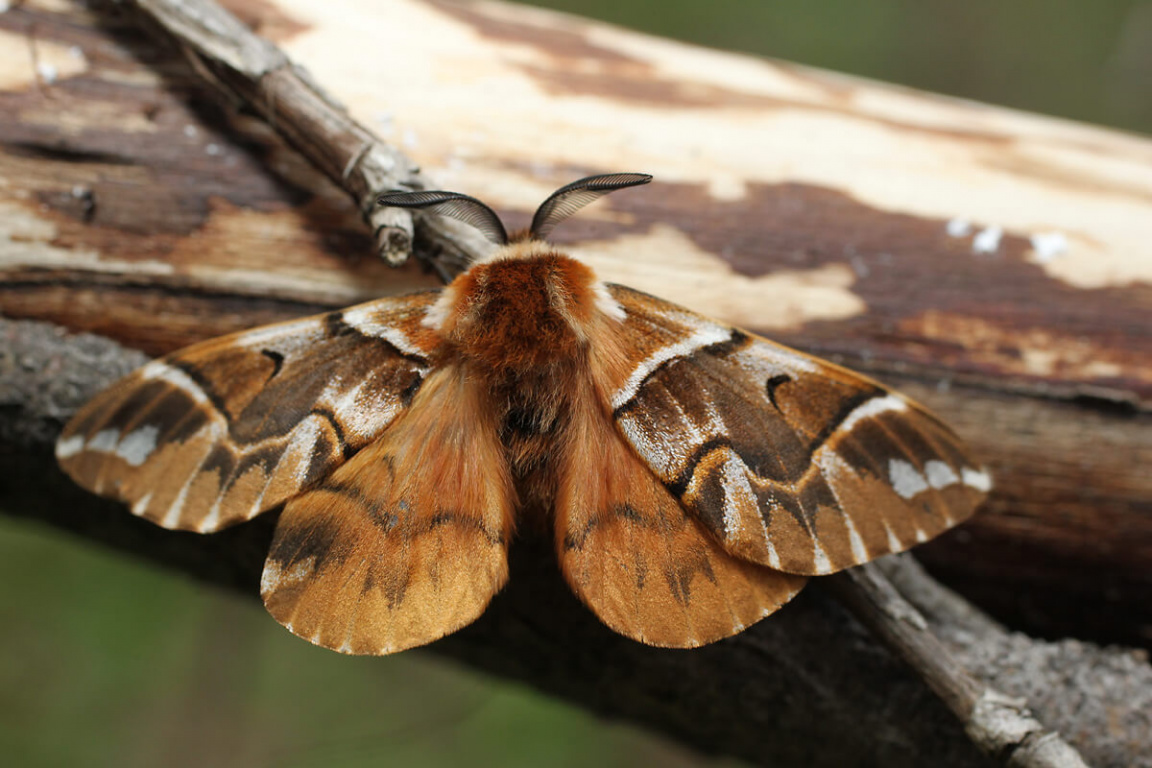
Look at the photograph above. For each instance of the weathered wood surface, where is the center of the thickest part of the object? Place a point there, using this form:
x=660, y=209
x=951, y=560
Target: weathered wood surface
x=813, y=207
x=808, y=688
x=819, y=209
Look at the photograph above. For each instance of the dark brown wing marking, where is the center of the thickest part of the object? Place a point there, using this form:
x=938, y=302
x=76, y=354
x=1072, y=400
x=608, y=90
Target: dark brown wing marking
x=789, y=461
x=636, y=558
x=407, y=541
x=216, y=433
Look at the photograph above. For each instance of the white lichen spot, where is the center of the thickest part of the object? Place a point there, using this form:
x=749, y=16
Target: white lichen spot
x=958, y=228
x=48, y=72
x=987, y=240
x=906, y=479
x=1048, y=245
x=213, y=149
x=921, y=537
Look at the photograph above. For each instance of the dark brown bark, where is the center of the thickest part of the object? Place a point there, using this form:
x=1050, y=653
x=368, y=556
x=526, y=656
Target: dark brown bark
x=182, y=210
x=175, y=220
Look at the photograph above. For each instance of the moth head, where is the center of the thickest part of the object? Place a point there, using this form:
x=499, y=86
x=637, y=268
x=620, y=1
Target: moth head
x=560, y=205
x=527, y=302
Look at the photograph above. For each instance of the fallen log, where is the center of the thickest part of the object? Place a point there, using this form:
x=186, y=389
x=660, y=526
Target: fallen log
x=135, y=198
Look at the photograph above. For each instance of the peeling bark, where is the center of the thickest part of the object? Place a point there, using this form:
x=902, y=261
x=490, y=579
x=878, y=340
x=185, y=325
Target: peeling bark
x=133, y=206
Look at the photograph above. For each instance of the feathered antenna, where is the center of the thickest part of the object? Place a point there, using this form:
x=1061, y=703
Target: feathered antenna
x=572, y=197
x=453, y=204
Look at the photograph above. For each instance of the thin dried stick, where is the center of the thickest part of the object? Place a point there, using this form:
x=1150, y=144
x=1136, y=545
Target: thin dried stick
x=253, y=72
x=1000, y=725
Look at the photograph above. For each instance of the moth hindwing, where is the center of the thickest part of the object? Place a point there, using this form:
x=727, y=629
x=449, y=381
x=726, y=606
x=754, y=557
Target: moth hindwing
x=693, y=475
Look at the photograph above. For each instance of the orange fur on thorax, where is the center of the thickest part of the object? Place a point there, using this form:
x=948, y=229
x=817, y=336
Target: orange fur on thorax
x=521, y=326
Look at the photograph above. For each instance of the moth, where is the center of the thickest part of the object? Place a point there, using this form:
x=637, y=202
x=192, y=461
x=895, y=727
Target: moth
x=691, y=475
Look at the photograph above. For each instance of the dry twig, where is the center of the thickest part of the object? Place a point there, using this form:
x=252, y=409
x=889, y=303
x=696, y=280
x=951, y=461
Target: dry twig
x=1002, y=726
x=254, y=73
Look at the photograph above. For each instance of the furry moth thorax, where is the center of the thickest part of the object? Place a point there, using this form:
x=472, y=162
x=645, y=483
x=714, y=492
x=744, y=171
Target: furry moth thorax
x=692, y=475
x=527, y=305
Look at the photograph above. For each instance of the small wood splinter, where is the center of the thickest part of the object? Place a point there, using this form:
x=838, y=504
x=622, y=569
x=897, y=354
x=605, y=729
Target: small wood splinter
x=692, y=475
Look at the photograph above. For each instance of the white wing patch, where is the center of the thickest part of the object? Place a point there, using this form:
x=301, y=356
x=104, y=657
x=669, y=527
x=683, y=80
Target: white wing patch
x=859, y=551
x=363, y=412
x=978, y=479
x=136, y=446
x=873, y=408
x=366, y=320
x=703, y=336
x=738, y=495
x=906, y=479
x=908, y=482
x=158, y=369
x=69, y=447
x=939, y=474
x=606, y=303
x=104, y=441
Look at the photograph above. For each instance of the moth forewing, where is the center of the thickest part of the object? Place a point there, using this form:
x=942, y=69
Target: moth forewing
x=228, y=428
x=693, y=474
x=789, y=461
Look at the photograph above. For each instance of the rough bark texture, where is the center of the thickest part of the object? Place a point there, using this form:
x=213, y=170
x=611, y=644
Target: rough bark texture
x=826, y=211
x=810, y=687
x=129, y=194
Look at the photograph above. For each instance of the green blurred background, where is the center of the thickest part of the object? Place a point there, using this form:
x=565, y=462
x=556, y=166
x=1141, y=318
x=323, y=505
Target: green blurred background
x=1087, y=60
x=108, y=661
